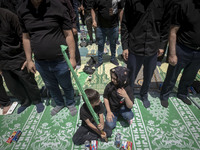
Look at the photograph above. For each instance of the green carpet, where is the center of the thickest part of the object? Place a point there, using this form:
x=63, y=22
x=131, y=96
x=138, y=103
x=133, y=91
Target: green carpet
x=155, y=128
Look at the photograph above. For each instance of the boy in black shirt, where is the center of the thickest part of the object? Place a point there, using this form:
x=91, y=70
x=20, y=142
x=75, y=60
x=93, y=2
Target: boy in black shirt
x=118, y=97
x=89, y=130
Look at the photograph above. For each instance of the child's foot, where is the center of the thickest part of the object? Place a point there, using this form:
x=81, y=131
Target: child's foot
x=39, y=107
x=72, y=109
x=21, y=109
x=130, y=121
x=56, y=109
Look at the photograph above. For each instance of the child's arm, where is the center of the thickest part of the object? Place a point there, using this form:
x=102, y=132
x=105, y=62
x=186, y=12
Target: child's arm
x=122, y=92
x=109, y=115
x=92, y=126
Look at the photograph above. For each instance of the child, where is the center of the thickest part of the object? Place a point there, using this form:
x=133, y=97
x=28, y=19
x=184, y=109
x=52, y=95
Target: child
x=89, y=129
x=118, y=97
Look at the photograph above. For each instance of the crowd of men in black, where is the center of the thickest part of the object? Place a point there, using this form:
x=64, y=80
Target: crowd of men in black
x=39, y=27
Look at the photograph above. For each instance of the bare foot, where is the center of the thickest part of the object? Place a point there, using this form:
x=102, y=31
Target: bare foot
x=6, y=108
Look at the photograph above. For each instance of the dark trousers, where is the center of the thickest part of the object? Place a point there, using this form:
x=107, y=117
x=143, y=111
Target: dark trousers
x=77, y=52
x=88, y=21
x=85, y=133
x=189, y=60
x=22, y=85
x=134, y=64
x=4, y=99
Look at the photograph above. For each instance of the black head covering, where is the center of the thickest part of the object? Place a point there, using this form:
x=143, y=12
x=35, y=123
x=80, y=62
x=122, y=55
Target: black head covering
x=122, y=74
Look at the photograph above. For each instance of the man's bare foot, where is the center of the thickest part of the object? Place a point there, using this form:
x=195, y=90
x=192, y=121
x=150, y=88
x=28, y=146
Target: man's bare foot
x=6, y=108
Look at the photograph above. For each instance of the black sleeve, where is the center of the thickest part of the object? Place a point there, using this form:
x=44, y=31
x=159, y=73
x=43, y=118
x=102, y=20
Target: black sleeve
x=105, y=94
x=95, y=4
x=177, y=16
x=23, y=27
x=129, y=92
x=83, y=113
x=67, y=24
x=121, y=4
x=125, y=23
x=71, y=11
x=102, y=109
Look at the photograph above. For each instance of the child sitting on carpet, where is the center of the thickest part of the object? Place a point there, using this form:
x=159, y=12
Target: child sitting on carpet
x=89, y=130
x=118, y=97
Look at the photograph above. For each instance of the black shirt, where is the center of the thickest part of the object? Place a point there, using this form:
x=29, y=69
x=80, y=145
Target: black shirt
x=45, y=26
x=187, y=16
x=116, y=101
x=70, y=6
x=11, y=51
x=145, y=26
x=106, y=19
x=85, y=113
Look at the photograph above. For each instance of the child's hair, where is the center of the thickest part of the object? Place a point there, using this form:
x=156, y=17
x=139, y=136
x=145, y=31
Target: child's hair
x=122, y=74
x=93, y=95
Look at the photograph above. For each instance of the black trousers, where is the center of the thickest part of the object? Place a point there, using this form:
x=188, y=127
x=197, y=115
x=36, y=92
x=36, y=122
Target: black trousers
x=189, y=60
x=134, y=64
x=85, y=133
x=77, y=52
x=23, y=86
x=88, y=21
x=4, y=99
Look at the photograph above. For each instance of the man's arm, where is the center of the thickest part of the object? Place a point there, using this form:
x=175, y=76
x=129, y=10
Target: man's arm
x=127, y=13
x=71, y=45
x=94, y=23
x=27, y=48
x=121, y=11
x=172, y=45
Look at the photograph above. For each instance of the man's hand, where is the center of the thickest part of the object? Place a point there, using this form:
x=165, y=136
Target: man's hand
x=160, y=52
x=172, y=60
x=24, y=65
x=119, y=29
x=109, y=117
x=125, y=54
x=31, y=67
x=74, y=30
x=94, y=24
x=73, y=62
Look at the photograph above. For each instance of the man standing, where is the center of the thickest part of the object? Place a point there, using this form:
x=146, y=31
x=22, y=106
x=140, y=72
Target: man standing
x=19, y=82
x=108, y=14
x=46, y=25
x=184, y=50
x=144, y=35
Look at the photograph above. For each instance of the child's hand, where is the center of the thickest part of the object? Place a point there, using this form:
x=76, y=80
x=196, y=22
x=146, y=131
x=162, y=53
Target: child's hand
x=100, y=127
x=103, y=135
x=122, y=92
x=109, y=117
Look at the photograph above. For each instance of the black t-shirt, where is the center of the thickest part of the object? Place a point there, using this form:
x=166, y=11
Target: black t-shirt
x=187, y=16
x=45, y=26
x=116, y=101
x=11, y=51
x=106, y=19
x=85, y=113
